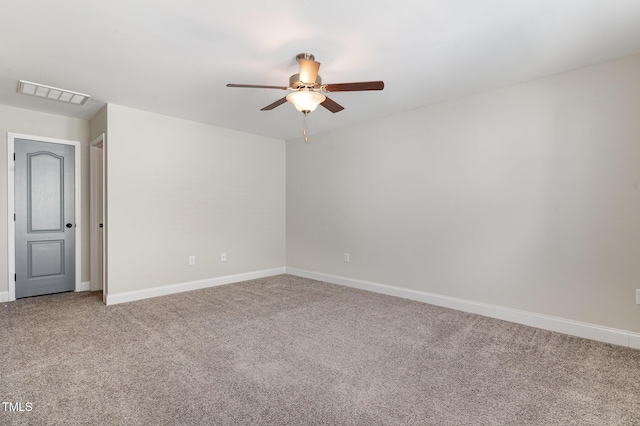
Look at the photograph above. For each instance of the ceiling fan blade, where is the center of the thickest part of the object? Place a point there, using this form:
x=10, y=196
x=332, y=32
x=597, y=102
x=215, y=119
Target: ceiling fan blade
x=354, y=87
x=332, y=105
x=275, y=104
x=256, y=86
x=308, y=70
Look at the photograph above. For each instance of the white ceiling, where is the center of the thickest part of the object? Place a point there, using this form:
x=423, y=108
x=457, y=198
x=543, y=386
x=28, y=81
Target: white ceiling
x=175, y=57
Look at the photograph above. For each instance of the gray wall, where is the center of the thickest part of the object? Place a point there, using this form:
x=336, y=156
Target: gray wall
x=526, y=197
x=98, y=123
x=177, y=188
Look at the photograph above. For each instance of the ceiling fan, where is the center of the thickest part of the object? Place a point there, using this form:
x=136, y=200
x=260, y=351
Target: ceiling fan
x=308, y=90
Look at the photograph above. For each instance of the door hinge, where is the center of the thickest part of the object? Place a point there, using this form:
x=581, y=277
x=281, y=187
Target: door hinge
x=15, y=277
x=14, y=156
x=14, y=217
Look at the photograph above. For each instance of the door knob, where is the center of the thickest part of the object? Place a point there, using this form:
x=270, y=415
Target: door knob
x=68, y=225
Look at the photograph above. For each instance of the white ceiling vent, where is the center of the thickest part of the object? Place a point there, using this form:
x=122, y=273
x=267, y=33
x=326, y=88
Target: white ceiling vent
x=48, y=92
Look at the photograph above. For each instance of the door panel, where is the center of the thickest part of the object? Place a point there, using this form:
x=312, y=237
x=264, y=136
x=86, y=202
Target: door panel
x=45, y=217
x=45, y=198
x=45, y=258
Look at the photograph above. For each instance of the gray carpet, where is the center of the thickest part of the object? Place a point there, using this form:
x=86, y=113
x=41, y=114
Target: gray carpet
x=290, y=351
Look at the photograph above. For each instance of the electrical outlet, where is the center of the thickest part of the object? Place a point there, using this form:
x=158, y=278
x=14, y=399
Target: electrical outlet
x=192, y=260
x=346, y=258
x=223, y=257
x=638, y=296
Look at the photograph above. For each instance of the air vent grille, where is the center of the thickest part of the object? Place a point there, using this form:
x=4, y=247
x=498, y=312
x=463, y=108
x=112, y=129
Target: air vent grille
x=54, y=93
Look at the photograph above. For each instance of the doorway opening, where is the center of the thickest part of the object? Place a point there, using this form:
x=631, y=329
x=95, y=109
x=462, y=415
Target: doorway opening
x=97, y=214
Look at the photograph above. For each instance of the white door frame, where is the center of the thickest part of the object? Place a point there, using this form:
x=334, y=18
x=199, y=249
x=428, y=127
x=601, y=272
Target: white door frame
x=11, y=232
x=98, y=209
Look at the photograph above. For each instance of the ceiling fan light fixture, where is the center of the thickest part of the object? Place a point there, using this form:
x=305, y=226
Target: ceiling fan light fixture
x=306, y=100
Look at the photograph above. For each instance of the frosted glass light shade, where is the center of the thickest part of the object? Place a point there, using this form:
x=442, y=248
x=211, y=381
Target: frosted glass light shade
x=305, y=100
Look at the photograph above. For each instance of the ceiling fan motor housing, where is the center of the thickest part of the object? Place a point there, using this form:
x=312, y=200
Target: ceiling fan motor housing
x=295, y=83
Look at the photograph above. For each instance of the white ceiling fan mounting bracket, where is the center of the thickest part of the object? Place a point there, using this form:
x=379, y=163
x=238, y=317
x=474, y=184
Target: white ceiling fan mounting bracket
x=308, y=56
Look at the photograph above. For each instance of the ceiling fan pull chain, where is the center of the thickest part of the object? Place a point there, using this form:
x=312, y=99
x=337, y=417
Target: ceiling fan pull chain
x=304, y=127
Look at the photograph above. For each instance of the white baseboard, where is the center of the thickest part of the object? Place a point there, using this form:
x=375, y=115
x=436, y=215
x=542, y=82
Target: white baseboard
x=130, y=296
x=84, y=286
x=634, y=340
x=545, y=322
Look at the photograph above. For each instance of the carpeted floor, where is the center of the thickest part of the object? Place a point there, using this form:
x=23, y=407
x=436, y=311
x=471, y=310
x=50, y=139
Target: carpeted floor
x=290, y=351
